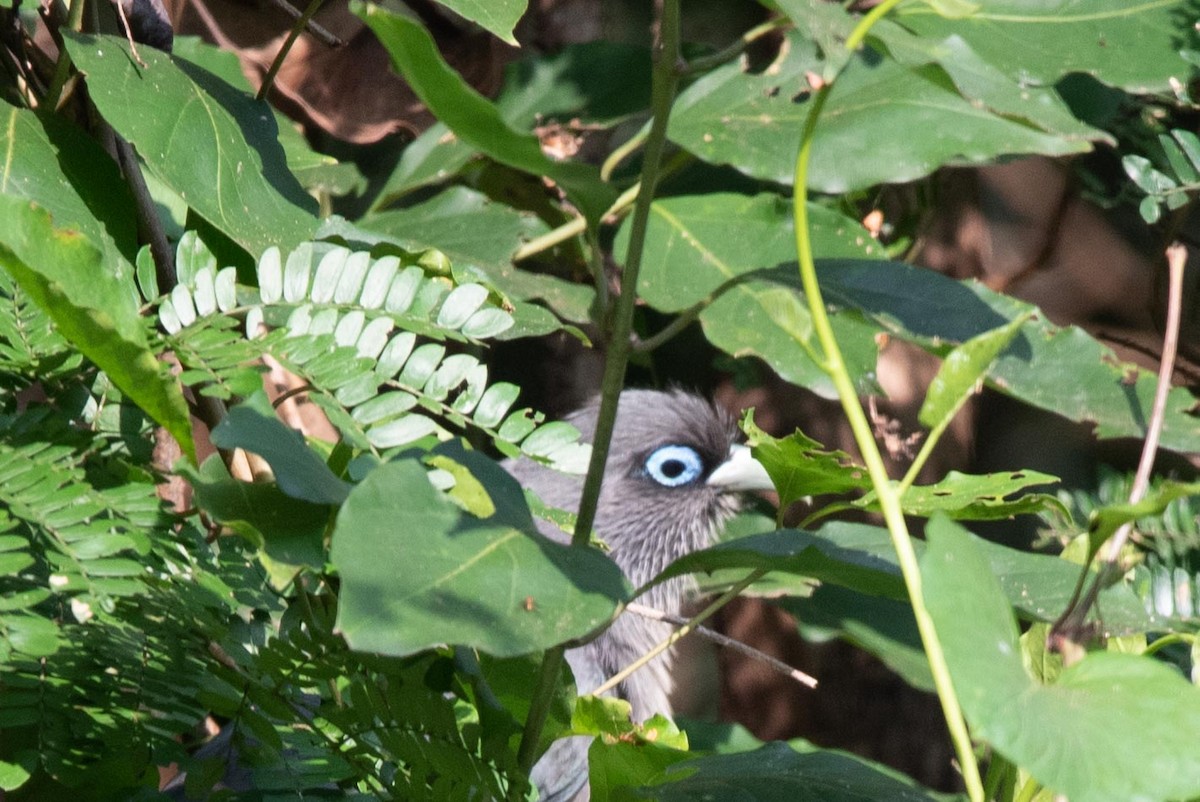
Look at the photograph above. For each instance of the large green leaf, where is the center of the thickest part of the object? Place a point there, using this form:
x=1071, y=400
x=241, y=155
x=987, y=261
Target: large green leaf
x=1114, y=726
x=418, y=571
x=697, y=243
x=778, y=772
x=986, y=84
x=59, y=168
x=753, y=121
x=1063, y=370
x=475, y=232
x=474, y=118
x=861, y=558
x=217, y=148
x=715, y=246
x=92, y=307
x=1039, y=42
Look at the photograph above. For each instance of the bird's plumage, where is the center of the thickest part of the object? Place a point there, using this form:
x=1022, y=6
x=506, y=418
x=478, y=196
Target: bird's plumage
x=656, y=504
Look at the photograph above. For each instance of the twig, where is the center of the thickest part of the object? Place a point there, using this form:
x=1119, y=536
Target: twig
x=665, y=79
x=321, y=33
x=726, y=641
x=889, y=499
x=148, y=222
x=688, y=627
x=1064, y=636
x=294, y=34
x=1176, y=261
x=706, y=63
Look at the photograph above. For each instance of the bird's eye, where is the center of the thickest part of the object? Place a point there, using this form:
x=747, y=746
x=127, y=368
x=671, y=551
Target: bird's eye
x=672, y=466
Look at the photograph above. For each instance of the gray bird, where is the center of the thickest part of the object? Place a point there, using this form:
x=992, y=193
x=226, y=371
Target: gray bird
x=673, y=477
x=674, y=471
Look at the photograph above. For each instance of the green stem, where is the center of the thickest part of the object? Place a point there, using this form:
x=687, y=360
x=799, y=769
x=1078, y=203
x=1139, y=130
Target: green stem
x=889, y=499
x=1028, y=791
x=1168, y=640
x=299, y=25
x=705, y=63
x=877, y=13
x=665, y=79
x=621, y=153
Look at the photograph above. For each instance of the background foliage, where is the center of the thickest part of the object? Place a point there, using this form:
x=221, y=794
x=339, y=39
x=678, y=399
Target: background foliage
x=302, y=600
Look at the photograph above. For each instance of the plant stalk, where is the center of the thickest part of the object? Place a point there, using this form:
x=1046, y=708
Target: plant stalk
x=889, y=500
x=665, y=80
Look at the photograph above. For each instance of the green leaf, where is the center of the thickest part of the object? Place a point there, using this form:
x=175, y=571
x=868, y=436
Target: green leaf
x=695, y=244
x=497, y=16
x=298, y=470
x=287, y=529
x=777, y=772
x=476, y=233
x=962, y=371
x=610, y=718
x=14, y=774
x=92, y=307
x=713, y=249
x=594, y=82
x=219, y=151
x=492, y=583
x=883, y=627
x=472, y=117
x=30, y=635
x=979, y=497
x=1063, y=370
x=1111, y=517
x=982, y=83
x=64, y=171
x=625, y=754
x=1114, y=726
x=852, y=555
x=799, y=467
x=1038, y=43
x=751, y=122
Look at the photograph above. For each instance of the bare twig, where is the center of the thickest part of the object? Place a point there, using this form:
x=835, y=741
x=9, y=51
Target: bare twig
x=1070, y=628
x=1176, y=261
x=726, y=641
x=688, y=627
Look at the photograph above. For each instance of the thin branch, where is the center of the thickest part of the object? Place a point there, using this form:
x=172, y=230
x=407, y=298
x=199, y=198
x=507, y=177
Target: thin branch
x=726, y=641
x=689, y=626
x=665, y=80
x=294, y=34
x=148, y=222
x=889, y=500
x=319, y=32
x=1176, y=262
x=1065, y=634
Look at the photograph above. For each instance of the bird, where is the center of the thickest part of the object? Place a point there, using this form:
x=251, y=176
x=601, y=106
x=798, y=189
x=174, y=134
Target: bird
x=674, y=477
x=674, y=474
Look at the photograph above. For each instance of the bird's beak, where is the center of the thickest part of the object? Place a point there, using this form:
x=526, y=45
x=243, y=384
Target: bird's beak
x=740, y=472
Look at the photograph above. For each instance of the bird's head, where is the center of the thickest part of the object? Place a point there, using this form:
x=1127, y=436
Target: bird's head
x=674, y=473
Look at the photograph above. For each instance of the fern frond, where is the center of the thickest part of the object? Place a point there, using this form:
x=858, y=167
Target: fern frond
x=383, y=346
